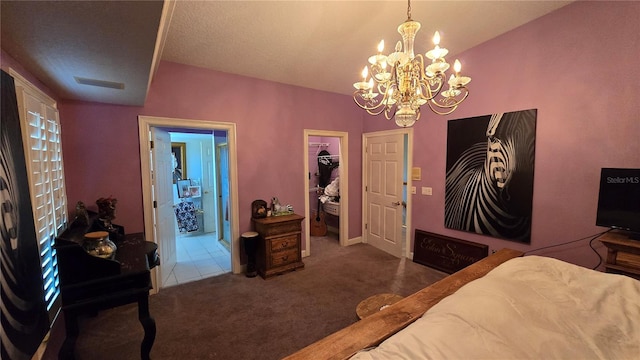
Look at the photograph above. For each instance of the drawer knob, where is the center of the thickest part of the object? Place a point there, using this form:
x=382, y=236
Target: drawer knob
x=285, y=258
x=284, y=244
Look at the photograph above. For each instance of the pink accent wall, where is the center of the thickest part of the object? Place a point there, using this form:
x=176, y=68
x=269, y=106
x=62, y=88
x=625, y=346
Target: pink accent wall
x=102, y=140
x=102, y=158
x=579, y=67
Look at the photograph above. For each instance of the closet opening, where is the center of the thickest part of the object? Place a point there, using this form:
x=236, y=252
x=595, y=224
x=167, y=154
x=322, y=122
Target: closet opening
x=326, y=186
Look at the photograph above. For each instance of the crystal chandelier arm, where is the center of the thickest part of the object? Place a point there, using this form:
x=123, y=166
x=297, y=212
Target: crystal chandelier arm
x=364, y=100
x=447, y=105
x=378, y=109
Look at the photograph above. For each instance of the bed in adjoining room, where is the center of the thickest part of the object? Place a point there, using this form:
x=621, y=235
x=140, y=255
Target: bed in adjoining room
x=503, y=307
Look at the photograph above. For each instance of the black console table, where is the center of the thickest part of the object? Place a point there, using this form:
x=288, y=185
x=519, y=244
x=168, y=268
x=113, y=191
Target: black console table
x=90, y=284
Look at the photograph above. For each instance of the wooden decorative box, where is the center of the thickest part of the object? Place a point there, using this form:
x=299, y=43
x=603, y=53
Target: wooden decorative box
x=446, y=253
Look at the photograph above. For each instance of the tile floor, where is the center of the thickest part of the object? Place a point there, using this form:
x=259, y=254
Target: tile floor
x=198, y=256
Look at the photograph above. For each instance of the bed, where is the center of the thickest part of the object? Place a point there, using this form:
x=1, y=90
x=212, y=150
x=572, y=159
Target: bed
x=505, y=306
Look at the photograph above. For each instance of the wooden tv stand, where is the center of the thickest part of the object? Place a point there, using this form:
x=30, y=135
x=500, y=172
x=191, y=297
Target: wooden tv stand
x=623, y=254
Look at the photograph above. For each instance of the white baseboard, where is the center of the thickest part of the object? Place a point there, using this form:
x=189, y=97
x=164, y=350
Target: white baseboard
x=356, y=240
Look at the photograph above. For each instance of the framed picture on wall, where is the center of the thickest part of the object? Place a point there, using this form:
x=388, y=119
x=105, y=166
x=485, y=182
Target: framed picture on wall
x=179, y=153
x=489, y=178
x=183, y=188
x=195, y=191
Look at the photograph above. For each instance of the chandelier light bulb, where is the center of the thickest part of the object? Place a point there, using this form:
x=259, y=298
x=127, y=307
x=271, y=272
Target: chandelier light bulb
x=365, y=73
x=436, y=38
x=457, y=66
x=381, y=46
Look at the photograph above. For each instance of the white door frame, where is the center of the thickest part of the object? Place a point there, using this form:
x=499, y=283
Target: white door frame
x=365, y=168
x=344, y=185
x=144, y=125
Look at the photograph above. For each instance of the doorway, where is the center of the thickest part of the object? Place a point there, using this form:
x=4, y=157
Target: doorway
x=310, y=187
x=387, y=158
x=201, y=250
x=146, y=123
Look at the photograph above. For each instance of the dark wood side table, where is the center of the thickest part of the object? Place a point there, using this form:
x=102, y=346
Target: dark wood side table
x=623, y=253
x=90, y=284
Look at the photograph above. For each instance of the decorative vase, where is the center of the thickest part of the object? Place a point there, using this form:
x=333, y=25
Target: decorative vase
x=98, y=244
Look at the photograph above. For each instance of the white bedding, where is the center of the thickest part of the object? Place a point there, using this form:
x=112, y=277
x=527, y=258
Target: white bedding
x=530, y=307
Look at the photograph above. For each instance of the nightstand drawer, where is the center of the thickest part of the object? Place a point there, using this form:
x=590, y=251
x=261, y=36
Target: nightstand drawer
x=284, y=242
x=280, y=228
x=285, y=257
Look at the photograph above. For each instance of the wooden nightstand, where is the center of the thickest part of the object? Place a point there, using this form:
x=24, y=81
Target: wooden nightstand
x=279, y=248
x=623, y=254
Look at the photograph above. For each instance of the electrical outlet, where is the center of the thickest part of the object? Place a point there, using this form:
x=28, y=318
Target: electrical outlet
x=427, y=191
x=493, y=251
x=413, y=190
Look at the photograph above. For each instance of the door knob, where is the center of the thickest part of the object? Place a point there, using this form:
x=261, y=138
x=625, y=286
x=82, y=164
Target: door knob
x=397, y=203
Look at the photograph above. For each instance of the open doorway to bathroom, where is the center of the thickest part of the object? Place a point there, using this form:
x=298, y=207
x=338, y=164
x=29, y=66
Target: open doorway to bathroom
x=202, y=244
x=326, y=186
x=155, y=230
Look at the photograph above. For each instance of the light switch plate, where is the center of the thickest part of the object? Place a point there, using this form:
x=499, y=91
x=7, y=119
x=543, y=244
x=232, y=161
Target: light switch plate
x=413, y=190
x=427, y=190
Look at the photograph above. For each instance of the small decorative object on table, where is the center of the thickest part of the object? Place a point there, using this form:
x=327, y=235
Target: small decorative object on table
x=82, y=216
x=97, y=243
x=106, y=214
x=258, y=209
x=107, y=211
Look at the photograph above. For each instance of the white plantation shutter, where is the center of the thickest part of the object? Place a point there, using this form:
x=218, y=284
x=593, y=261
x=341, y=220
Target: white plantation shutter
x=41, y=136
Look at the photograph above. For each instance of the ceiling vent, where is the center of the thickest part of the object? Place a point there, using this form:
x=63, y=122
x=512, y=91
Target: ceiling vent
x=100, y=83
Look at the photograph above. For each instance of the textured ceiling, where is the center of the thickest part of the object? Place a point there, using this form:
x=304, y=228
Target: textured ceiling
x=315, y=44
x=58, y=41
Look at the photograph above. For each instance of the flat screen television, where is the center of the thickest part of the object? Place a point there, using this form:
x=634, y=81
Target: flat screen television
x=619, y=200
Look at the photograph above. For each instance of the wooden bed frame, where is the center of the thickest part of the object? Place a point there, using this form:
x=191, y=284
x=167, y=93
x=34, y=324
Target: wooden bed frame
x=374, y=329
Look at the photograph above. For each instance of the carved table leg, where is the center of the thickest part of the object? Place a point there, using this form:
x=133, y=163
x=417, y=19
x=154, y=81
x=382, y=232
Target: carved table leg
x=149, y=325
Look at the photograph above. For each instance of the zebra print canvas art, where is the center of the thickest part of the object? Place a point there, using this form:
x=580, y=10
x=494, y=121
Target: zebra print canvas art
x=489, y=178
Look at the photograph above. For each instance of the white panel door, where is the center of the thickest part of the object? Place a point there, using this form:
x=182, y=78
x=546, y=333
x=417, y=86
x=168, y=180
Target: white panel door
x=162, y=191
x=222, y=164
x=208, y=189
x=384, y=192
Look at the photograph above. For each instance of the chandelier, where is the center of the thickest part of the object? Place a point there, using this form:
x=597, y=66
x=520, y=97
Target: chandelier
x=400, y=83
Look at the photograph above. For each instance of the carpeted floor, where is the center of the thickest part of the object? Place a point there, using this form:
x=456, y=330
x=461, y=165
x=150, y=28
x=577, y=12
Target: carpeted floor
x=234, y=317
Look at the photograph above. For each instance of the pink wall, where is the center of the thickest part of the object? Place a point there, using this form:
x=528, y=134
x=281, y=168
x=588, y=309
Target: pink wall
x=579, y=67
x=102, y=158
x=102, y=140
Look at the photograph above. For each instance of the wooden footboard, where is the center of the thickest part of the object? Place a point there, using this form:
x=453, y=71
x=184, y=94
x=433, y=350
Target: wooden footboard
x=376, y=328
